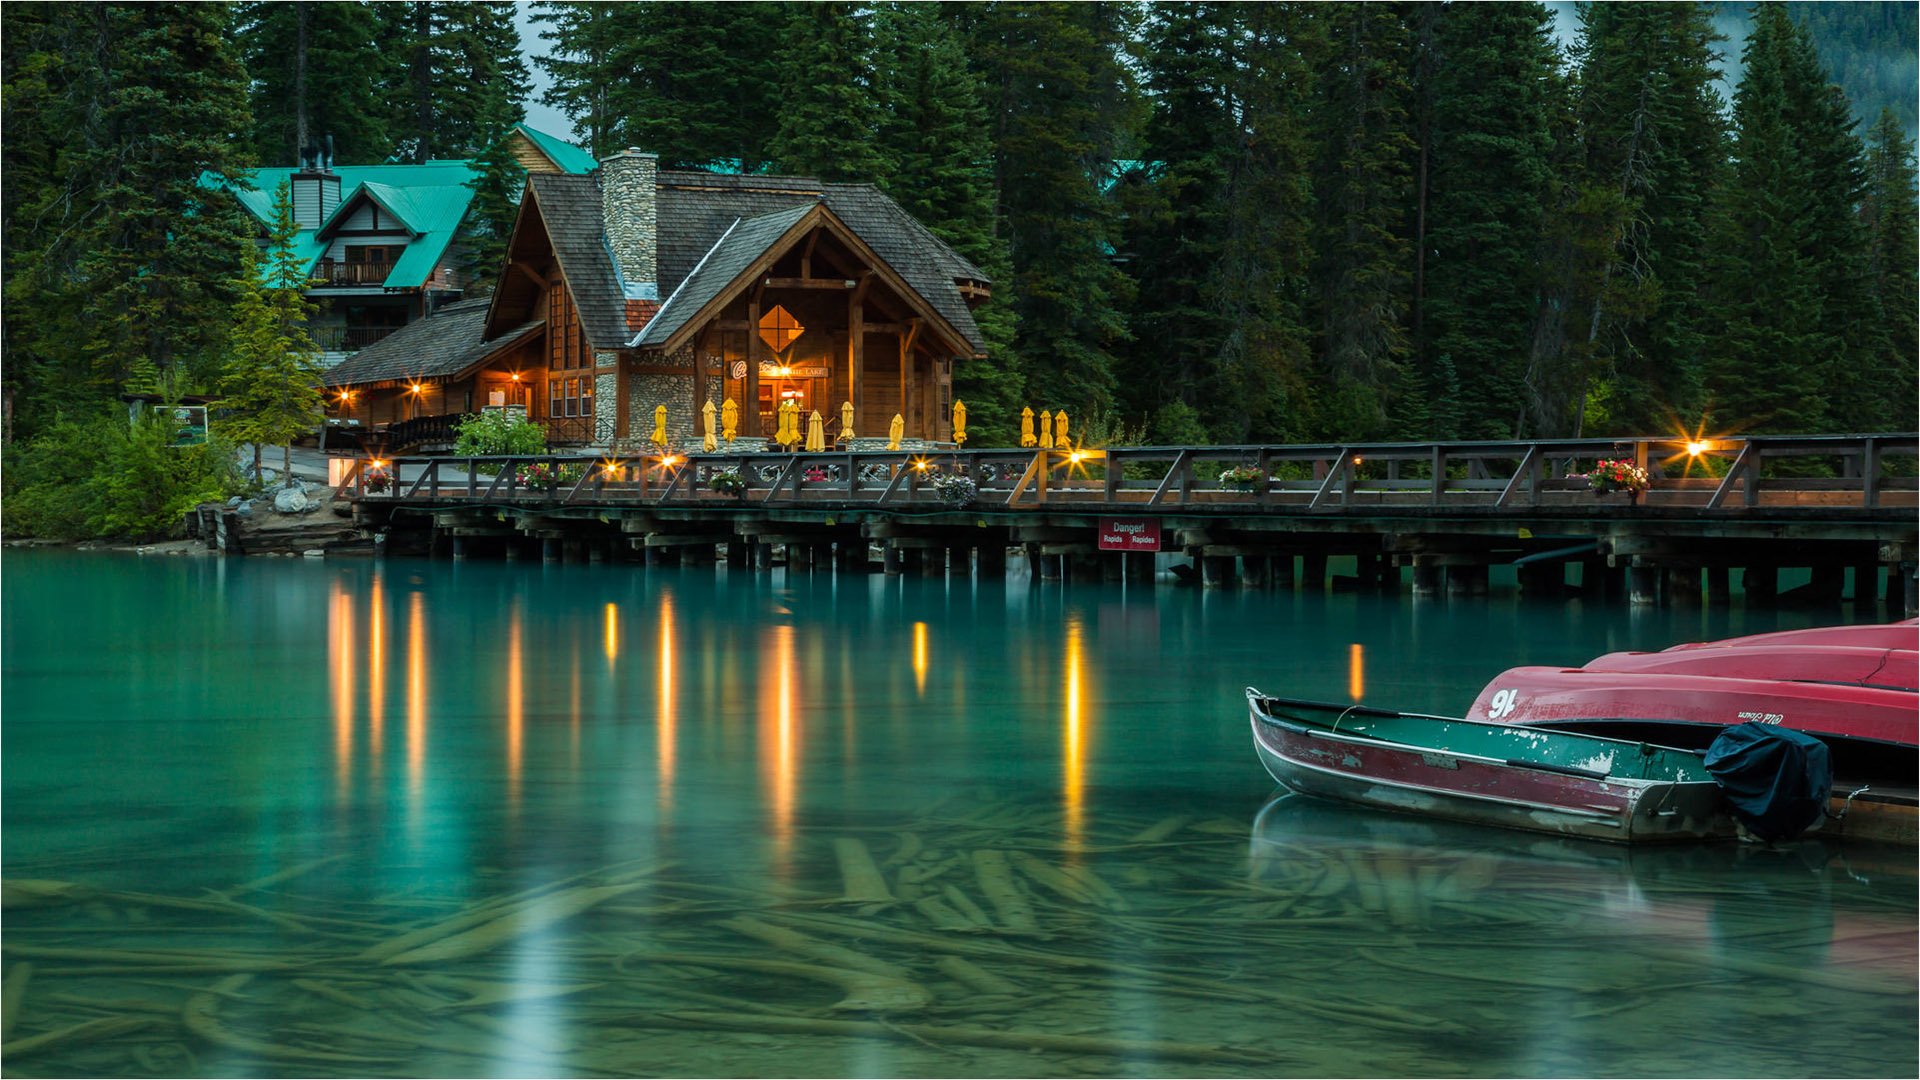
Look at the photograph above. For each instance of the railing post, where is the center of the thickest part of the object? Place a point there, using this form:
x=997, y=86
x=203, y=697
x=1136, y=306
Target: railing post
x=1439, y=473
x=1870, y=474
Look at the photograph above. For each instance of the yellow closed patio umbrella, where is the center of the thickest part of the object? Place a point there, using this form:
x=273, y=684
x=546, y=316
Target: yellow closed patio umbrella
x=846, y=421
x=1026, y=427
x=729, y=420
x=660, y=426
x=1046, y=430
x=790, y=433
x=895, y=430
x=1060, y=430
x=960, y=422
x=708, y=443
x=816, y=433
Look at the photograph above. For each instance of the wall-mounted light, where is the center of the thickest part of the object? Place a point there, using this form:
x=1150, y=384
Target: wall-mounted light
x=1696, y=447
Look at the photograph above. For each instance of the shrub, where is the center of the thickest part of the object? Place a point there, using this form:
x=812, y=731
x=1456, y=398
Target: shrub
x=497, y=434
x=100, y=477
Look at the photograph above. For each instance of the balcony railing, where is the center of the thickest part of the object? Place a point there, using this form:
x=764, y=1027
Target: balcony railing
x=349, y=338
x=350, y=273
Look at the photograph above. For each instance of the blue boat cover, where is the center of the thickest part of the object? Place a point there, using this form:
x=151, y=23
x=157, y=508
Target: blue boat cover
x=1777, y=779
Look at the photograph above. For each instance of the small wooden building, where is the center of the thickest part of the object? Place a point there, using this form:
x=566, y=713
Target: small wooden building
x=631, y=287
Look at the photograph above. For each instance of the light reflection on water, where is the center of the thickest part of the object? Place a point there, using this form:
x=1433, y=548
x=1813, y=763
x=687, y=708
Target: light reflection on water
x=749, y=747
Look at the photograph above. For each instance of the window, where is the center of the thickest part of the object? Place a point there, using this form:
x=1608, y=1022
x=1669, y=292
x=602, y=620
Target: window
x=586, y=396
x=554, y=401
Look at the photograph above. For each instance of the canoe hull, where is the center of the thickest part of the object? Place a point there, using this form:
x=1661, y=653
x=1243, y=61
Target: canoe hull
x=1460, y=787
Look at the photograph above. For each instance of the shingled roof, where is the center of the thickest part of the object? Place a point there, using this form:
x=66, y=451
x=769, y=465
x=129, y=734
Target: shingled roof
x=571, y=207
x=727, y=259
x=442, y=345
x=696, y=210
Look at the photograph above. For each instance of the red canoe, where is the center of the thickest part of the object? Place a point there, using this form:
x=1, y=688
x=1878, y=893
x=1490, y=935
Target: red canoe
x=1547, y=695
x=1865, y=665
x=1899, y=635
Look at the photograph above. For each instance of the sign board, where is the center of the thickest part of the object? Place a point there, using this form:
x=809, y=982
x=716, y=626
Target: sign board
x=1129, y=534
x=189, y=423
x=797, y=371
x=496, y=398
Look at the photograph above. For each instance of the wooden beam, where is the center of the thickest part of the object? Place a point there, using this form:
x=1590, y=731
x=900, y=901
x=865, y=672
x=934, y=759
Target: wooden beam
x=1528, y=468
x=856, y=359
x=1179, y=465
x=833, y=284
x=806, y=254
x=750, y=408
x=1340, y=468
x=702, y=345
x=1740, y=464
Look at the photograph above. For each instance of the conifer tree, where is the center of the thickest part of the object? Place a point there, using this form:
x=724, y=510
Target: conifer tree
x=1490, y=177
x=1217, y=224
x=114, y=252
x=465, y=82
x=692, y=82
x=830, y=111
x=1650, y=121
x=1892, y=220
x=1363, y=187
x=936, y=128
x=1797, y=315
x=317, y=69
x=271, y=378
x=1061, y=110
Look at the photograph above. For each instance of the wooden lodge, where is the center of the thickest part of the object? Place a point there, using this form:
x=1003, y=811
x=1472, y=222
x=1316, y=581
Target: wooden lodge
x=632, y=287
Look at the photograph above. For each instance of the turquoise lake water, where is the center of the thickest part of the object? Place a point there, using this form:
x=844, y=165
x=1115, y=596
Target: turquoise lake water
x=304, y=818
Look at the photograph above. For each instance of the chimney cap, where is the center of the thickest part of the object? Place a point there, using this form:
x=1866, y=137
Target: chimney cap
x=631, y=151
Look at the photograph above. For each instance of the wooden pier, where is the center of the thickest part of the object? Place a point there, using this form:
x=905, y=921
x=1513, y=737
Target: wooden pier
x=1436, y=516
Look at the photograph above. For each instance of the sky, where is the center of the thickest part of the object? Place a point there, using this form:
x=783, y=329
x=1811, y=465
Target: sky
x=539, y=117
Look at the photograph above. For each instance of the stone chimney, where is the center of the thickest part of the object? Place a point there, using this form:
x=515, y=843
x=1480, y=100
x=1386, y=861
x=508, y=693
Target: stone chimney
x=628, y=212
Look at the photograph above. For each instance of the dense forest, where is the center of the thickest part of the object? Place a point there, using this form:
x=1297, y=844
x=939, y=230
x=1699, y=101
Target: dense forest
x=1205, y=221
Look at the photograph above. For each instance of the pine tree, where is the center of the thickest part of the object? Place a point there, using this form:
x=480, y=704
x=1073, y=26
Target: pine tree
x=830, y=109
x=1217, y=225
x=1061, y=111
x=1650, y=121
x=1363, y=187
x=317, y=69
x=1490, y=180
x=464, y=82
x=935, y=124
x=114, y=252
x=271, y=380
x=1892, y=221
x=1800, y=321
x=692, y=82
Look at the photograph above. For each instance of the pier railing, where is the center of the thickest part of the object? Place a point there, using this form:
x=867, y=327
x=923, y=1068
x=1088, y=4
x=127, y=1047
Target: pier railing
x=1725, y=475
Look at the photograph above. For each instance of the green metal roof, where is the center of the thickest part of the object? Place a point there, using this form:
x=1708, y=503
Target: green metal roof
x=429, y=199
x=569, y=157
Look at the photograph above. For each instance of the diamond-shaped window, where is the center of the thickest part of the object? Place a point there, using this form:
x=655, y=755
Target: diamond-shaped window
x=779, y=329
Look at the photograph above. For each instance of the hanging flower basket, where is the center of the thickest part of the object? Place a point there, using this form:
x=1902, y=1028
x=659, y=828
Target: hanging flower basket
x=1609, y=476
x=955, y=489
x=727, y=482
x=1243, y=478
x=378, y=479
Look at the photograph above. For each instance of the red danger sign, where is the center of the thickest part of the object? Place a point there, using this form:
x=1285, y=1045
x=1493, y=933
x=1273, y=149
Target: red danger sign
x=1129, y=534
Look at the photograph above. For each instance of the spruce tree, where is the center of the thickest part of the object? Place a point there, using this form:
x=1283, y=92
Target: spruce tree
x=1799, y=321
x=936, y=129
x=830, y=111
x=1490, y=179
x=692, y=82
x=114, y=251
x=1892, y=220
x=1061, y=109
x=1363, y=187
x=271, y=381
x=317, y=69
x=1651, y=124
x=464, y=82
